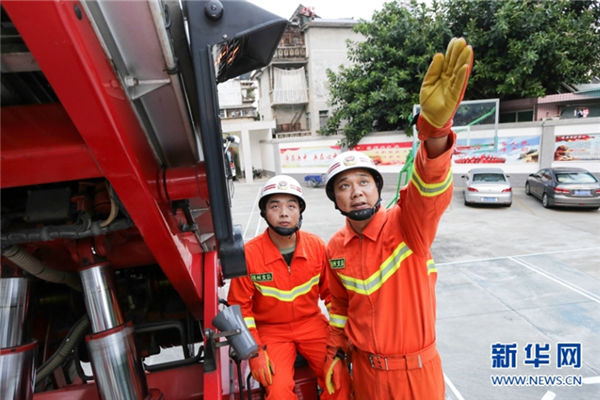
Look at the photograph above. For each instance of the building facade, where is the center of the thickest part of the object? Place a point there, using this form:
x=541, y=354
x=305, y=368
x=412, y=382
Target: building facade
x=294, y=89
x=583, y=101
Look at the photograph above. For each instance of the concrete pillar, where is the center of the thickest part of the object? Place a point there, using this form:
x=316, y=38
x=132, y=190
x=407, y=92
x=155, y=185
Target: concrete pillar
x=547, y=143
x=276, y=157
x=247, y=156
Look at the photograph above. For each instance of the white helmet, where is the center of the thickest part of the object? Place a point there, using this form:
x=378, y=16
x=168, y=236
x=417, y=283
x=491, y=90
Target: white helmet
x=281, y=184
x=351, y=160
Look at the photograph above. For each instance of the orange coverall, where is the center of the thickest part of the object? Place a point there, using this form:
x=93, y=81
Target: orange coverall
x=279, y=304
x=382, y=285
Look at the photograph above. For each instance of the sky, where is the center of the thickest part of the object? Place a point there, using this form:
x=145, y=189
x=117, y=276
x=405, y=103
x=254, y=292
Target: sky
x=324, y=8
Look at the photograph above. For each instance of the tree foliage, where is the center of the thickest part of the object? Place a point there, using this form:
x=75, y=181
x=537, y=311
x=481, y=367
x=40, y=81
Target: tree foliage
x=523, y=48
x=528, y=48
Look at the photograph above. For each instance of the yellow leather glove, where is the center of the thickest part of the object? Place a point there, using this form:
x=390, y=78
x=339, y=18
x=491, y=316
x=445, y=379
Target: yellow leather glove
x=337, y=376
x=261, y=368
x=443, y=89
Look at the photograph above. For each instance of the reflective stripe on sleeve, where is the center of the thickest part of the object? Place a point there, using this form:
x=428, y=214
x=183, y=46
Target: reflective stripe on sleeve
x=386, y=269
x=250, y=323
x=339, y=321
x=288, y=295
x=431, y=189
x=431, y=268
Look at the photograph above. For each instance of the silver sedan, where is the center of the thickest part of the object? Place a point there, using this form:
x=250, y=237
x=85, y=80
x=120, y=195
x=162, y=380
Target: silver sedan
x=569, y=187
x=487, y=186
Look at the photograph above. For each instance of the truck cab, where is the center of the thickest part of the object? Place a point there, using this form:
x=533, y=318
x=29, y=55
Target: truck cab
x=116, y=229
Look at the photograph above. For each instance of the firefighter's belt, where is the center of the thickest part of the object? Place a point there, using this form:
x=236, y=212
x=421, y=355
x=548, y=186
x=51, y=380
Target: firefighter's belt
x=400, y=362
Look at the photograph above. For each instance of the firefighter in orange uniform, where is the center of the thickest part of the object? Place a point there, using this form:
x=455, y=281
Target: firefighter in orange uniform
x=382, y=275
x=279, y=297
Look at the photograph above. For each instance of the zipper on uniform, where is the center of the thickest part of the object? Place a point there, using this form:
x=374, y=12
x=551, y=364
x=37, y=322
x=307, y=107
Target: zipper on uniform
x=364, y=268
x=289, y=267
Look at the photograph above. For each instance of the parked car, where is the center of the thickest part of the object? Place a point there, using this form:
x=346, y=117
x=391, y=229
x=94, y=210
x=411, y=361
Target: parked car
x=315, y=180
x=570, y=187
x=487, y=186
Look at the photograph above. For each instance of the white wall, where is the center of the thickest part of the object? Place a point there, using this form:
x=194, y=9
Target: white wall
x=264, y=102
x=251, y=135
x=544, y=129
x=267, y=156
x=326, y=48
x=230, y=93
x=256, y=138
x=262, y=152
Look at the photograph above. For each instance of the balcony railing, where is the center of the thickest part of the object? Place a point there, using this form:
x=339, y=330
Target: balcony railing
x=283, y=135
x=289, y=52
x=237, y=113
x=290, y=96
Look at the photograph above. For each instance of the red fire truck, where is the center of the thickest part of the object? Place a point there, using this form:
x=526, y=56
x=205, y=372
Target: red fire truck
x=116, y=229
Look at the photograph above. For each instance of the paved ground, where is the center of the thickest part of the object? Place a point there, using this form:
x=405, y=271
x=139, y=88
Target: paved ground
x=522, y=275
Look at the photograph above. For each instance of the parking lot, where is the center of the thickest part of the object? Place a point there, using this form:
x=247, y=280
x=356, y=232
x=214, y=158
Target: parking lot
x=522, y=275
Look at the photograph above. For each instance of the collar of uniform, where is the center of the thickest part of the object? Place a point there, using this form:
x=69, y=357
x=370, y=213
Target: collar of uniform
x=274, y=254
x=371, y=231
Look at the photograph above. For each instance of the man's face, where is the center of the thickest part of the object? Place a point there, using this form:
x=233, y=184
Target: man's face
x=283, y=210
x=355, y=189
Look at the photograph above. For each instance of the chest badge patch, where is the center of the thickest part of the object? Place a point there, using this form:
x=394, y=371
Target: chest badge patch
x=264, y=277
x=337, y=263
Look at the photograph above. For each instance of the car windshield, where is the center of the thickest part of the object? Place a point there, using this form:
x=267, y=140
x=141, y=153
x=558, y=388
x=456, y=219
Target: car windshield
x=575, y=177
x=488, y=177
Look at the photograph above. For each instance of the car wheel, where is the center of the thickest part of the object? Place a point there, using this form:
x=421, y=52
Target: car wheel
x=527, y=189
x=545, y=201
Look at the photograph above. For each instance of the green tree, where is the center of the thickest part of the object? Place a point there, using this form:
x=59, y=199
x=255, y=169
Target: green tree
x=523, y=48
x=528, y=48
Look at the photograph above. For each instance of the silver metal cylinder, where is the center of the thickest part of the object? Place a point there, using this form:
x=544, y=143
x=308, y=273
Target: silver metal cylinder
x=117, y=368
x=14, y=301
x=17, y=372
x=100, y=298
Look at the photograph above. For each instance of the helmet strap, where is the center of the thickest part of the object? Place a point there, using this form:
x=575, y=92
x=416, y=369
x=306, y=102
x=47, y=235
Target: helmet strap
x=284, y=231
x=361, y=215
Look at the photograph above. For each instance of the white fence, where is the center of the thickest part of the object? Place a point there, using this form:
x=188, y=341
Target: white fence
x=518, y=148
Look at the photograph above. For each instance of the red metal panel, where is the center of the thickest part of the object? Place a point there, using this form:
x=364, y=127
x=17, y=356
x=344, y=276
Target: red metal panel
x=73, y=392
x=188, y=387
x=62, y=40
x=213, y=386
x=186, y=182
x=41, y=145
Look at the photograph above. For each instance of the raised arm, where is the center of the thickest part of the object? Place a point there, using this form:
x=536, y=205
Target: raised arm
x=429, y=192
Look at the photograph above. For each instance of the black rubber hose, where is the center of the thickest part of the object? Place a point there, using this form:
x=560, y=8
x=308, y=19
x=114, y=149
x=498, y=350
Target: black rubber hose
x=238, y=364
x=67, y=345
x=75, y=231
